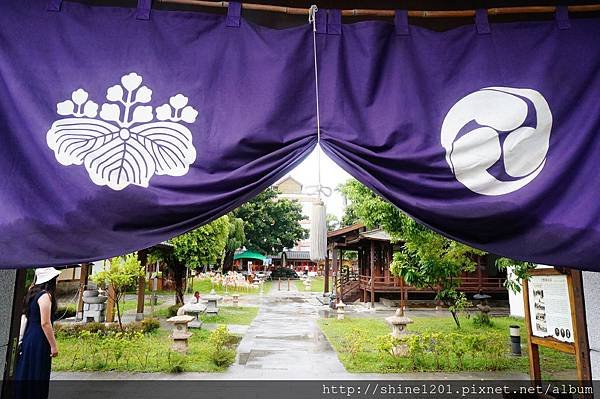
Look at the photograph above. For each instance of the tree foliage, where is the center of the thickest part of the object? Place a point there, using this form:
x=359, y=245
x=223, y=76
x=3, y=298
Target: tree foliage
x=519, y=271
x=333, y=223
x=270, y=223
x=237, y=235
x=202, y=246
x=122, y=273
x=350, y=217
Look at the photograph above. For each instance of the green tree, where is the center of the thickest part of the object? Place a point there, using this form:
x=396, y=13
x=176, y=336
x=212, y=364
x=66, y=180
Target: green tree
x=204, y=245
x=122, y=273
x=520, y=272
x=350, y=217
x=235, y=240
x=333, y=223
x=200, y=247
x=270, y=224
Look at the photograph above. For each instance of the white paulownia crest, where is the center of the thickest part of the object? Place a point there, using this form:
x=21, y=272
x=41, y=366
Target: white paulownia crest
x=126, y=145
x=485, y=114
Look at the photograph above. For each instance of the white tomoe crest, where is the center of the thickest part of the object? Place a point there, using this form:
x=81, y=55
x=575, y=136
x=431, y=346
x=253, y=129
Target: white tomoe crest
x=125, y=146
x=480, y=118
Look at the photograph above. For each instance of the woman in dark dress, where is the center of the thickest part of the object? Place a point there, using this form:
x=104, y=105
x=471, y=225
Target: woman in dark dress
x=38, y=347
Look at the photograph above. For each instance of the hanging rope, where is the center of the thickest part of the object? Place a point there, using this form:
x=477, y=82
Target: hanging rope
x=312, y=12
x=318, y=225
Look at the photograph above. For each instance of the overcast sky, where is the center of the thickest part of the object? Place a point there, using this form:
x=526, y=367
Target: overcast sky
x=331, y=175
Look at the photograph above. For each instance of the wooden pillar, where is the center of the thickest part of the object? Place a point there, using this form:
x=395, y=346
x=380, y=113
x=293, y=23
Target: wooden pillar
x=141, y=288
x=341, y=271
x=326, y=277
x=372, y=260
x=334, y=257
x=479, y=274
x=110, y=305
x=83, y=282
x=580, y=336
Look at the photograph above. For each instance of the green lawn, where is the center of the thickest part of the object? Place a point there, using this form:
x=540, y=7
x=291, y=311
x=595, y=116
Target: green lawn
x=125, y=306
x=232, y=315
x=204, y=286
x=150, y=353
x=316, y=286
x=359, y=341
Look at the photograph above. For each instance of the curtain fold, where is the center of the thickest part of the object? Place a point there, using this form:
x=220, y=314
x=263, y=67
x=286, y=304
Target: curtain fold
x=119, y=133
x=490, y=139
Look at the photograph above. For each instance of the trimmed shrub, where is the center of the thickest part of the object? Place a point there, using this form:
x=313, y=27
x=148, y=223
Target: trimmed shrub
x=222, y=353
x=103, y=329
x=149, y=325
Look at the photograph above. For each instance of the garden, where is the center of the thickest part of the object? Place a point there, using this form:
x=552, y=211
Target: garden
x=141, y=347
x=364, y=345
x=145, y=346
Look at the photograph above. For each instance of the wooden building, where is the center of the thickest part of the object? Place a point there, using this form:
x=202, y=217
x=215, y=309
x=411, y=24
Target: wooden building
x=371, y=279
x=295, y=260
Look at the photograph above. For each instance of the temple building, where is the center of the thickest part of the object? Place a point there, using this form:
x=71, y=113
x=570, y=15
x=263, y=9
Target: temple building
x=371, y=280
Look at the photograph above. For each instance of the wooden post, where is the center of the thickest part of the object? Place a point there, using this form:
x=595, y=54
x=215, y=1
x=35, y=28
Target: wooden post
x=580, y=337
x=342, y=280
x=335, y=271
x=83, y=282
x=479, y=274
x=372, y=260
x=326, y=277
x=534, y=354
x=110, y=305
x=141, y=288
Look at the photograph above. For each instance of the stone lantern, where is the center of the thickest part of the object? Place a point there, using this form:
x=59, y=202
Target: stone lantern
x=212, y=304
x=307, y=284
x=483, y=306
x=180, y=333
x=399, y=322
x=236, y=299
x=341, y=310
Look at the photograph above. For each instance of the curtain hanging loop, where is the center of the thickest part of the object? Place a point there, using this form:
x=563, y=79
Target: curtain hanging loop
x=562, y=17
x=143, y=10
x=401, y=23
x=54, y=5
x=334, y=22
x=234, y=14
x=481, y=21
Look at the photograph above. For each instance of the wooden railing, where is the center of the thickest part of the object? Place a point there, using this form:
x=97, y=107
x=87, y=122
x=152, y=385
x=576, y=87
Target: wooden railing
x=347, y=284
x=468, y=284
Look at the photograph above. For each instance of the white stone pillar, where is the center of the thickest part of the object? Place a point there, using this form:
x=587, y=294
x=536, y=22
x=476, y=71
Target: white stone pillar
x=7, y=292
x=591, y=293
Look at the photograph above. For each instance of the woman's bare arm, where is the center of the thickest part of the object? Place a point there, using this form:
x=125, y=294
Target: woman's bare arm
x=45, y=313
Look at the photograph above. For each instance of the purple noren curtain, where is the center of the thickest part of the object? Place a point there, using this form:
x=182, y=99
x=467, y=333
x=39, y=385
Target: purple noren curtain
x=119, y=133
x=492, y=139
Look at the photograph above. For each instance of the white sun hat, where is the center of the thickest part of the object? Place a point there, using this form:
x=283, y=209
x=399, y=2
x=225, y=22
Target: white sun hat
x=45, y=274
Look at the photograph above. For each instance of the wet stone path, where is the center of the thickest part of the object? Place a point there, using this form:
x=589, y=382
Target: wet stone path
x=285, y=342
